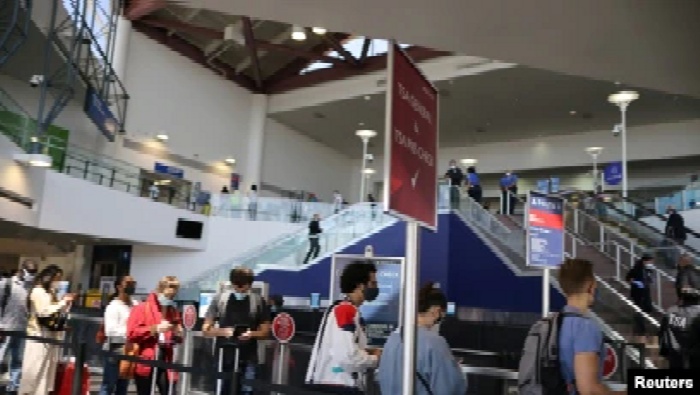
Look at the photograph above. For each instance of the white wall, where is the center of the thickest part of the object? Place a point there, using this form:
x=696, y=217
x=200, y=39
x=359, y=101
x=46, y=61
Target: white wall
x=23, y=181
x=206, y=116
x=668, y=140
x=227, y=239
x=84, y=134
x=295, y=162
x=72, y=205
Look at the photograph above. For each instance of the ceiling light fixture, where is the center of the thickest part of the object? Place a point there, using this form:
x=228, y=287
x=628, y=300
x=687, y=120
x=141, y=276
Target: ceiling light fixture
x=572, y=112
x=623, y=97
x=369, y=171
x=469, y=162
x=365, y=134
x=298, y=33
x=319, y=30
x=230, y=161
x=162, y=137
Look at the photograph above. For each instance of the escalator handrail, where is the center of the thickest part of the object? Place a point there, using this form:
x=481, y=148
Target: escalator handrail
x=686, y=248
x=652, y=213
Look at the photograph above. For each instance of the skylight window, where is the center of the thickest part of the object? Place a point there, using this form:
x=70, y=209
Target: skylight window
x=97, y=15
x=354, y=47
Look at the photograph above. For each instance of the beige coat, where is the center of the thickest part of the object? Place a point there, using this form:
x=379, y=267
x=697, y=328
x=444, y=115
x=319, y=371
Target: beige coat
x=40, y=360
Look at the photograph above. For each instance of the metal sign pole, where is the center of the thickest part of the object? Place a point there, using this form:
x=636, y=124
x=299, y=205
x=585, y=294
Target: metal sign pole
x=409, y=309
x=545, y=292
x=185, y=378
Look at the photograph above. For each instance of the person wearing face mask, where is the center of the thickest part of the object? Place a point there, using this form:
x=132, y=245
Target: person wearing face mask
x=115, y=319
x=456, y=178
x=437, y=371
x=640, y=278
x=340, y=358
x=44, y=312
x=14, y=292
x=243, y=319
x=155, y=326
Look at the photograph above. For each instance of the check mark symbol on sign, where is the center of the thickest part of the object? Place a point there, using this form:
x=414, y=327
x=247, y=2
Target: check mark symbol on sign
x=414, y=179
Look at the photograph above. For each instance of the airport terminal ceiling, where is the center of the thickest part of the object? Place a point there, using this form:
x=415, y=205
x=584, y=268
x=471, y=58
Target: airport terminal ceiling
x=261, y=55
x=500, y=105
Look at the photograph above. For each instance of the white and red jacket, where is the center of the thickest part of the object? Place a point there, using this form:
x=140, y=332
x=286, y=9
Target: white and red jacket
x=339, y=356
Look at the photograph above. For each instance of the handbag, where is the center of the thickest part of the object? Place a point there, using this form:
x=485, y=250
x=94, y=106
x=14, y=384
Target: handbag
x=55, y=322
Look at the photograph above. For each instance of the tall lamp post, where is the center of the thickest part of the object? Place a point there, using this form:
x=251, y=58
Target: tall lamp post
x=364, y=135
x=594, y=152
x=622, y=100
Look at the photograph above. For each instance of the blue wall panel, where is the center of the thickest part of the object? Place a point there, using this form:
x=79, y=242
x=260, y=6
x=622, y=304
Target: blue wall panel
x=478, y=277
x=467, y=270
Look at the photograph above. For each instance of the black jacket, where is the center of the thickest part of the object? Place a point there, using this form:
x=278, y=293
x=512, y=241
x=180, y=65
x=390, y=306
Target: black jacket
x=641, y=296
x=314, y=228
x=687, y=277
x=675, y=227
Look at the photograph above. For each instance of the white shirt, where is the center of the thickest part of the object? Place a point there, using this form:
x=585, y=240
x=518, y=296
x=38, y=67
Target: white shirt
x=341, y=355
x=116, y=315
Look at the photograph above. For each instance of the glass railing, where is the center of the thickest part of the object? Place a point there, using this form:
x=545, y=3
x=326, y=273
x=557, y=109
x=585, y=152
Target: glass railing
x=289, y=251
x=102, y=170
x=475, y=213
x=238, y=205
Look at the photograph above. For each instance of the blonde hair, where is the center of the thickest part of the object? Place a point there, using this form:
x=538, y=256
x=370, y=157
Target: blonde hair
x=168, y=282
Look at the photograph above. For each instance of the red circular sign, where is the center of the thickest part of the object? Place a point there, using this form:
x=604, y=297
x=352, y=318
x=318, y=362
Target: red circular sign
x=189, y=316
x=283, y=327
x=611, y=362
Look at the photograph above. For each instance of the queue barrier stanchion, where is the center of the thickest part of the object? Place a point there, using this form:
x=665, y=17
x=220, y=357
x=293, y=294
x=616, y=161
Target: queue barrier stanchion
x=154, y=370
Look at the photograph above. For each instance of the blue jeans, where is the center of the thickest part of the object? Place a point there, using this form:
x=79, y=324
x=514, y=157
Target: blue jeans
x=15, y=346
x=111, y=383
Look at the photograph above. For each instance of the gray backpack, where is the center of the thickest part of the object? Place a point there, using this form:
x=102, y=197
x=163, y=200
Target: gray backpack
x=539, y=372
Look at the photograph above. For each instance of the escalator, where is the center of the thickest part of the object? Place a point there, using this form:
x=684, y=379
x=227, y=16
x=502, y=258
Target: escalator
x=288, y=251
x=611, y=254
x=643, y=225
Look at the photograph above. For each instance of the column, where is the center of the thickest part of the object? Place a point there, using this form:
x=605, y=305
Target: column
x=256, y=141
x=121, y=47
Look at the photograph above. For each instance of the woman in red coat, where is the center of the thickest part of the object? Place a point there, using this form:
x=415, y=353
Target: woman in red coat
x=154, y=326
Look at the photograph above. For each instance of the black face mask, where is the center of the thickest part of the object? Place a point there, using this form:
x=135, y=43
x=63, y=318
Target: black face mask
x=130, y=290
x=371, y=294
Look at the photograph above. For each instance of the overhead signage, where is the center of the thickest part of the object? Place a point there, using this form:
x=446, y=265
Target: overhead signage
x=545, y=230
x=613, y=173
x=543, y=186
x=99, y=113
x=162, y=168
x=235, y=181
x=382, y=314
x=411, y=142
x=554, y=185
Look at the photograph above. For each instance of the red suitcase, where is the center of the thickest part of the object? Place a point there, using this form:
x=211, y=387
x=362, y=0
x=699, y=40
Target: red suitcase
x=64, y=379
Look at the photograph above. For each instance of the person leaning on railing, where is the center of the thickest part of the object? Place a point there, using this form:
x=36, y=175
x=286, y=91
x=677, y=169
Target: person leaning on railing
x=47, y=320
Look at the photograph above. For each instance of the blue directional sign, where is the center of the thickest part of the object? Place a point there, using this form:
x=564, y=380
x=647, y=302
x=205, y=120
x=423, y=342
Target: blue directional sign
x=545, y=230
x=613, y=173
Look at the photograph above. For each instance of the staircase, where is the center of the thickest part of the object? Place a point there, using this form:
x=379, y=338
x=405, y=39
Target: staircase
x=288, y=252
x=589, y=239
x=14, y=26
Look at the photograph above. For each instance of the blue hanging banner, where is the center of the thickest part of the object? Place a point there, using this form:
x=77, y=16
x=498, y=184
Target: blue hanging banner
x=235, y=181
x=545, y=230
x=173, y=171
x=98, y=111
x=613, y=173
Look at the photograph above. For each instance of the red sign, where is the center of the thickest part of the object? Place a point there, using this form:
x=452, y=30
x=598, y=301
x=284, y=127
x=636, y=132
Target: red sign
x=412, y=135
x=611, y=362
x=189, y=317
x=283, y=327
